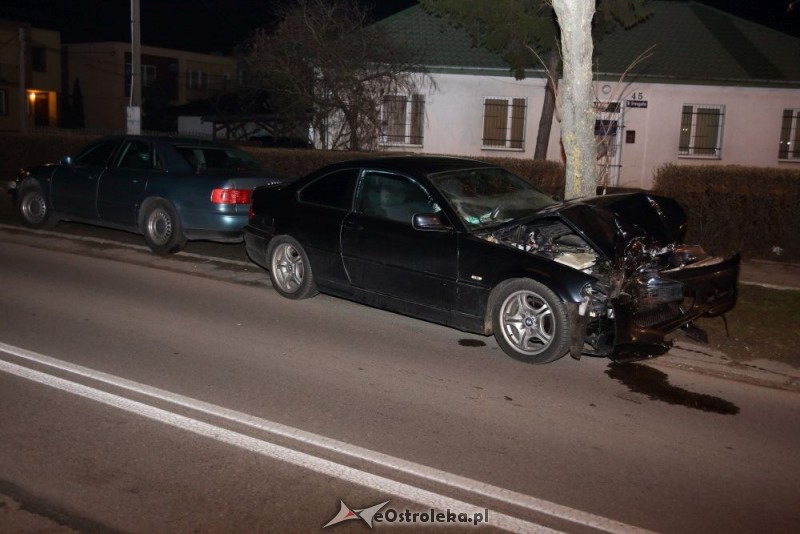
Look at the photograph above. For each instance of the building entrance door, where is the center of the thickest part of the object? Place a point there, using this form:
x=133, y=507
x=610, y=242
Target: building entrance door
x=608, y=129
x=41, y=110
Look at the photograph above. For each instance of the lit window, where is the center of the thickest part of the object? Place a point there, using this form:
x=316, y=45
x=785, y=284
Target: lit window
x=790, y=135
x=504, y=123
x=403, y=119
x=701, y=131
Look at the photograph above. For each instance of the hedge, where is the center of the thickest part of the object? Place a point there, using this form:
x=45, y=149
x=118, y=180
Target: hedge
x=732, y=207
x=748, y=209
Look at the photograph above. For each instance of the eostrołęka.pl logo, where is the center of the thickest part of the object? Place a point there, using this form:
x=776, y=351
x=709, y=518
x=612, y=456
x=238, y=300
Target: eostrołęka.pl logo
x=373, y=514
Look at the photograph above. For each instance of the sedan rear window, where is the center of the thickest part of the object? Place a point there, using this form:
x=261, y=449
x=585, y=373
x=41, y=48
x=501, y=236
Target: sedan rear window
x=216, y=158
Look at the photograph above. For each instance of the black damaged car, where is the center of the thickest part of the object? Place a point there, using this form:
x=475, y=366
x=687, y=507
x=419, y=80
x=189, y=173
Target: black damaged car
x=469, y=245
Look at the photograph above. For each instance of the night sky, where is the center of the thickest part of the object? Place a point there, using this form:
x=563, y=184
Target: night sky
x=218, y=25
x=196, y=25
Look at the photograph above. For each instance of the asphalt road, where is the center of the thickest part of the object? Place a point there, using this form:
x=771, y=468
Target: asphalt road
x=141, y=394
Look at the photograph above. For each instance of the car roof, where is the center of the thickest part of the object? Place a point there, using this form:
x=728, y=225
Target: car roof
x=414, y=165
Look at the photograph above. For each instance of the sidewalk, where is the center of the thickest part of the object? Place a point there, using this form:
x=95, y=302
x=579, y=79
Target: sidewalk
x=702, y=359
x=770, y=274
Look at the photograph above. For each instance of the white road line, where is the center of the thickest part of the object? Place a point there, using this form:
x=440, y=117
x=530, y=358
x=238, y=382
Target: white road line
x=300, y=459
x=311, y=462
x=100, y=241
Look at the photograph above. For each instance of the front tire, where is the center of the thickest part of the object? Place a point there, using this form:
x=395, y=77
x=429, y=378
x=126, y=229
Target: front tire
x=289, y=269
x=530, y=322
x=162, y=228
x=33, y=209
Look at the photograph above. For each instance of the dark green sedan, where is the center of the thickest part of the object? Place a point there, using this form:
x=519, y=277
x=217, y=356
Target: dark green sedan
x=168, y=189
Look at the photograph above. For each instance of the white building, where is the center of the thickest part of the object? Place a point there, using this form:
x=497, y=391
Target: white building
x=714, y=89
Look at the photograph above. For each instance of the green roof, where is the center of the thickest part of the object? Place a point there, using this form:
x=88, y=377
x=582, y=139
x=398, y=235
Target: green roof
x=438, y=43
x=689, y=42
x=694, y=42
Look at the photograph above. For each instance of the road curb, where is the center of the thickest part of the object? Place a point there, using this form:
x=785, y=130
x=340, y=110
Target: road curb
x=704, y=360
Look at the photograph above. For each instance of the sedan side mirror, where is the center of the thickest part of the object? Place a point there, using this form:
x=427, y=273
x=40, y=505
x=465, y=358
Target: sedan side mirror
x=430, y=221
x=66, y=160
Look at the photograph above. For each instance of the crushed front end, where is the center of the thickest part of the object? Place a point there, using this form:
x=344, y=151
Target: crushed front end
x=630, y=312
x=646, y=284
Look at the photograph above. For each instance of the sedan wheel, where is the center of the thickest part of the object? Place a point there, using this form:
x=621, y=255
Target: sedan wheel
x=33, y=209
x=289, y=269
x=162, y=229
x=530, y=323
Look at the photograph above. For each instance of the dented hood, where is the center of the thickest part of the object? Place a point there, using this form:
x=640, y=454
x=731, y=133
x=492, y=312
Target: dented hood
x=610, y=222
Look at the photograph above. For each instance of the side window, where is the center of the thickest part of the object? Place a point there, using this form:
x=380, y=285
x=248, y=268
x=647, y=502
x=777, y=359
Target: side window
x=97, y=155
x=334, y=190
x=388, y=196
x=504, y=123
x=138, y=154
x=39, y=58
x=701, y=131
x=402, y=118
x=790, y=135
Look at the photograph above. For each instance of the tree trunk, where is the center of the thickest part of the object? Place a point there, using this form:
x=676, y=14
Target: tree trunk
x=548, y=108
x=577, y=96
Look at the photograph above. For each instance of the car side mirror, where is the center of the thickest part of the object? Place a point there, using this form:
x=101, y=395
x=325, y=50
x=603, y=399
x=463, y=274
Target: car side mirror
x=430, y=221
x=66, y=160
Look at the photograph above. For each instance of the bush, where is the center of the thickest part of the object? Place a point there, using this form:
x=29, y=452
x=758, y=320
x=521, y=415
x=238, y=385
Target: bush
x=295, y=162
x=18, y=151
x=547, y=175
x=749, y=209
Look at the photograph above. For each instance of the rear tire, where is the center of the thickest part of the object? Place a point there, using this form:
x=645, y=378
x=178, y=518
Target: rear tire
x=530, y=322
x=33, y=209
x=162, y=228
x=289, y=269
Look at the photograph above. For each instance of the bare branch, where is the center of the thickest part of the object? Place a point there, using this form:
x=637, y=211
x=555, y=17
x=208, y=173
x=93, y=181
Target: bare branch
x=324, y=64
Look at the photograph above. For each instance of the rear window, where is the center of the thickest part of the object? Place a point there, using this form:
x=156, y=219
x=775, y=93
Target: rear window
x=204, y=157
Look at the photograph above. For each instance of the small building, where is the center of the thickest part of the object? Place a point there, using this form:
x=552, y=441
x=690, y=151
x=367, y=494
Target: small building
x=169, y=78
x=30, y=76
x=708, y=88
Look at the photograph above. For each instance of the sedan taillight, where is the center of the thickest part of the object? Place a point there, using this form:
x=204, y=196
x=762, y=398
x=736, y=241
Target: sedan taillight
x=230, y=196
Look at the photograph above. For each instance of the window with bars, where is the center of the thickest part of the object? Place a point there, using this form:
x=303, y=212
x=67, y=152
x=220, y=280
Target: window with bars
x=701, y=131
x=504, y=122
x=790, y=135
x=403, y=119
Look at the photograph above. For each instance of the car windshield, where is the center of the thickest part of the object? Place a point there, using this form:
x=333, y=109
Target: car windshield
x=489, y=196
x=215, y=158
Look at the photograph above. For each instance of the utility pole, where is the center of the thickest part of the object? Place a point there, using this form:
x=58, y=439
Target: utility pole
x=135, y=107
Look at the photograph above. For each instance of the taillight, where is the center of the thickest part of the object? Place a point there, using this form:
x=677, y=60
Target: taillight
x=230, y=196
